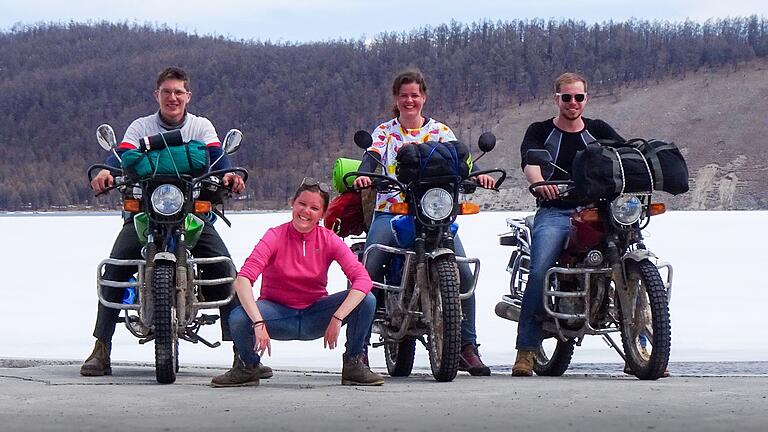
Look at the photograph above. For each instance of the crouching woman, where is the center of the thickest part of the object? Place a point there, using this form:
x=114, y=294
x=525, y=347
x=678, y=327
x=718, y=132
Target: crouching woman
x=293, y=260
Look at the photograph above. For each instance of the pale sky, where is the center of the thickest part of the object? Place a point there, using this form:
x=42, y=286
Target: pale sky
x=318, y=20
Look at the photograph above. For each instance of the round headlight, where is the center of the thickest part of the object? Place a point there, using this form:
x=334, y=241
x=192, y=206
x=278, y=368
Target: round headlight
x=437, y=204
x=626, y=210
x=167, y=199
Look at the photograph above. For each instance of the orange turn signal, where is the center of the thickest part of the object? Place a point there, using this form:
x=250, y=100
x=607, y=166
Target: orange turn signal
x=202, y=206
x=399, y=208
x=656, y=209
x=468, y=208
x=588, y=215
x=131, y=205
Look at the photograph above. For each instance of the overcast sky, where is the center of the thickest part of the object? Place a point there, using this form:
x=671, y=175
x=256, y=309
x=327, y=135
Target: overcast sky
x=315, y=20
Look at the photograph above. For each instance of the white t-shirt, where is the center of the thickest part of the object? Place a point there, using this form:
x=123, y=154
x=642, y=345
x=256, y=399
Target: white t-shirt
x=194, y=128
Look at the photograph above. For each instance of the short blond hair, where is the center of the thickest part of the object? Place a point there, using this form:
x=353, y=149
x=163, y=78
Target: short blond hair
x=568, y=78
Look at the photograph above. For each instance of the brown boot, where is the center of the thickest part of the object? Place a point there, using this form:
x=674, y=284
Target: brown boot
x=523, y=364
x=241, y=375
x=265, y=372
x=469, y=361
x=628, y=371
x=356, y=372
x=98, y=363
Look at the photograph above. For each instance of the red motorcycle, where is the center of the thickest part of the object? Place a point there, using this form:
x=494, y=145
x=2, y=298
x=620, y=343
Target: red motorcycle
x=605, y=281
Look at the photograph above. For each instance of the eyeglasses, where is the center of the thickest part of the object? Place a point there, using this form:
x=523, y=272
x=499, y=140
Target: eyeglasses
x=311, y=181
x=166, y=93
x=566, y=97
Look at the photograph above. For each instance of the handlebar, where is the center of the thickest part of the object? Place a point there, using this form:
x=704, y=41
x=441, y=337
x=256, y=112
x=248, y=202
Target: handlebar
x=564, y=187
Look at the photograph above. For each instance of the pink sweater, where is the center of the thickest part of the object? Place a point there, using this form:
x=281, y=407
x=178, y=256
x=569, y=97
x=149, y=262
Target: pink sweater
x=294, y=266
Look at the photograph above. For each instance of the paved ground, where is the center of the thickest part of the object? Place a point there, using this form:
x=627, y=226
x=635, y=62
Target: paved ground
x=52, y=396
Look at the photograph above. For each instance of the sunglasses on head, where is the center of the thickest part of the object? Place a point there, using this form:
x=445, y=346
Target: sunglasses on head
x=311, y=181
x=566, y=97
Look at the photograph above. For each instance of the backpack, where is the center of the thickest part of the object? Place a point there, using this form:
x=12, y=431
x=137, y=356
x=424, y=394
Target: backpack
x=433, y=159
x=344, y=215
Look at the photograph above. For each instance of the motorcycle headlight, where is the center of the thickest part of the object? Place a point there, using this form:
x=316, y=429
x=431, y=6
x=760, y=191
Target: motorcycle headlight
x=626, y=210
x=437, y=204
x=167, y=199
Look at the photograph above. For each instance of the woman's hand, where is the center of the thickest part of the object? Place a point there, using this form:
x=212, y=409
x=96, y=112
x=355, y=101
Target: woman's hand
x=332, y=333
x=362, y=182
x=485, y=181
x=262, y=342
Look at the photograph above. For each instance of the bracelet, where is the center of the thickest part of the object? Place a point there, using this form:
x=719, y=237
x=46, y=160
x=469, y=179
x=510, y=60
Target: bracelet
x=257, y=323
x=334, y=316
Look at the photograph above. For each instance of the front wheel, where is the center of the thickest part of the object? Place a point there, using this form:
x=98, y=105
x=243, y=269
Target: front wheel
x=645, y=329
x=166, y=323
x=445, y=309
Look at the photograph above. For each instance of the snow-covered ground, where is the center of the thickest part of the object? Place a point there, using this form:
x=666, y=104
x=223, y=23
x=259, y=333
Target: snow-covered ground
x=48, y=303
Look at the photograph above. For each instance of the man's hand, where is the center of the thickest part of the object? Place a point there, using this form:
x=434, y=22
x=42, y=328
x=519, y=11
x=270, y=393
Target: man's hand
x=362, y=182
x=332, y=333
x=485, y=181
x=102, y=181
x=547, y=192
x=235, y=180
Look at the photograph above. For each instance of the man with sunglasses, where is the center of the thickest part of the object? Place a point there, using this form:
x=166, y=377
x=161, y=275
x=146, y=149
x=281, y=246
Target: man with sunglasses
x=562, y=136
x=172, y=94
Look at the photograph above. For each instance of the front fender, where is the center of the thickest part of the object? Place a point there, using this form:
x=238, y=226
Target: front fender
x=638, y=255
x=439, y=252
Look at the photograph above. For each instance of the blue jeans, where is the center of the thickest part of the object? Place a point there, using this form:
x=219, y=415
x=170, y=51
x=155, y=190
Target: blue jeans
x=310, y=323
x=550, y=232
x=381, y=233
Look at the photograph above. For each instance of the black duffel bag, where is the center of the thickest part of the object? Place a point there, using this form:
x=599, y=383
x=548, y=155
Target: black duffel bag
x=433, y=159
x=637, y=166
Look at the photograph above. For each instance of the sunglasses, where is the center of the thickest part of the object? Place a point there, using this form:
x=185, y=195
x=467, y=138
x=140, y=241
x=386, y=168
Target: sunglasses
x=566, y=97
x=311, y=181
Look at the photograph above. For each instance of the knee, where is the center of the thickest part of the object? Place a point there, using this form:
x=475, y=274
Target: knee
x=239, y=319
x=368, y=304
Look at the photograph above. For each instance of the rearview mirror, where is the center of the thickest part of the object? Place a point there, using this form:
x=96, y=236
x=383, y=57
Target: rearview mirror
x=486, y=142
x=105, y=135
x=232, y=141
x=363, y=139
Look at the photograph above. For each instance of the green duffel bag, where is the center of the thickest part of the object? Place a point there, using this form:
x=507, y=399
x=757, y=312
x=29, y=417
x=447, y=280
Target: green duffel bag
x=341, y=167
x=191, y=158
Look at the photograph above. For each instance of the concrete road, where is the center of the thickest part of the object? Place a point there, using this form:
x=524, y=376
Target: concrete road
x=52, y=396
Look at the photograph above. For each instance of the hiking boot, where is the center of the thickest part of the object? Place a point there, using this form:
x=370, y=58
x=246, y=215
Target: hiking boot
x=98, y=363
x=241, y=375
x=355, y=372
x=469, y=361
x=523, y=364
x=265, y=372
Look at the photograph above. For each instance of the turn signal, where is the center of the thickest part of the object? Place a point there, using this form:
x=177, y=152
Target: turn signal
x=131, y=205
x=656, y=209
x=399, y=208
x=588, y=215
x=202, y=206
x=468, y=208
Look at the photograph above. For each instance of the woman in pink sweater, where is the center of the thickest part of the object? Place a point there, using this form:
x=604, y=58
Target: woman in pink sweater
x=293, y=260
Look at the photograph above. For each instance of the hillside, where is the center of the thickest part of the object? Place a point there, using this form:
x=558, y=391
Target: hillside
x=699, y=84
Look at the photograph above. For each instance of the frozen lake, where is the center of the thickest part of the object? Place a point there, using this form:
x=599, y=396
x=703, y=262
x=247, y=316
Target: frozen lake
x=48, y=305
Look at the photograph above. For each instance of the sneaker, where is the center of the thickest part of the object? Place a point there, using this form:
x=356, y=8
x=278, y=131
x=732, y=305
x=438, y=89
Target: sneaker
x=469, y=361
x=355, y=372
x=98, y=363
x=241, y=375
x=523, y=364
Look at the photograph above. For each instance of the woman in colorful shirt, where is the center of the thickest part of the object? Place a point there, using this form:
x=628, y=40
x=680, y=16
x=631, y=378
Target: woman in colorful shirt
x=410, y=127
x=293, y=260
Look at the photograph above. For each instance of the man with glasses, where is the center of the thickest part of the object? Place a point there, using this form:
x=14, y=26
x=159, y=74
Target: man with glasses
x=562, y=136
x=172, y=94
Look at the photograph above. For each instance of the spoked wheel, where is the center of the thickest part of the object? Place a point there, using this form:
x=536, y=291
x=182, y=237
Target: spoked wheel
x=399, y=357
x=553, y=357
x=645, y=329
x=166, y=323
x=444, y=338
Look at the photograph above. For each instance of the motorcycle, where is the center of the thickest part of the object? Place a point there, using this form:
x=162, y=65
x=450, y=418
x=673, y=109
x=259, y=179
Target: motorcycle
x=168, y=285
x=420, y=295
x=605, y=281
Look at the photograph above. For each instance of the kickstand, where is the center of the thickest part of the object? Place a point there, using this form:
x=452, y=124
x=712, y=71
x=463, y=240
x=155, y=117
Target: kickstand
x=612, y=344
